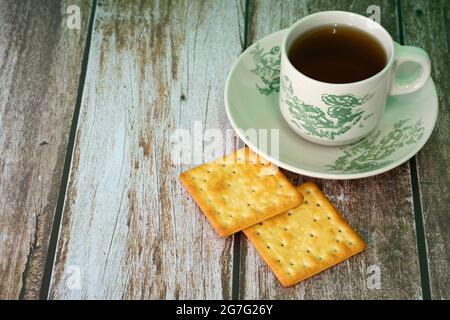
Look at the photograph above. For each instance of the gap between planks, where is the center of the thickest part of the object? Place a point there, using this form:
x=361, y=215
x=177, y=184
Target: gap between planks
x=417, y=205
x=53, y=242
x=236, y=272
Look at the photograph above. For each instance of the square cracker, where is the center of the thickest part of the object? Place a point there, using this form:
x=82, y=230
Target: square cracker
x=305, y=240
x=239, y=190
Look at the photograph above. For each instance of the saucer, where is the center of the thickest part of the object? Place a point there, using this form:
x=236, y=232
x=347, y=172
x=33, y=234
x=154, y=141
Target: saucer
x=251, y=101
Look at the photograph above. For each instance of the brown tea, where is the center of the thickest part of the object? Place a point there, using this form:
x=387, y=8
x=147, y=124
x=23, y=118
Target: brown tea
x=337, y=54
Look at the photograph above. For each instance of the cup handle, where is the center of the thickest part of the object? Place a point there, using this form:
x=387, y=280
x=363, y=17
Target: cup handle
x=403, y=82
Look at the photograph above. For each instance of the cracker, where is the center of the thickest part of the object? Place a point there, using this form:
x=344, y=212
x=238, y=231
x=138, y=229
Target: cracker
x=239, y=190
x=305, y=240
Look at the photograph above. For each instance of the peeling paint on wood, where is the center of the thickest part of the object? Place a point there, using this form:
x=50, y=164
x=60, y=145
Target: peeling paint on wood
x=378, y=208
x=40, y=63
x=128, y=226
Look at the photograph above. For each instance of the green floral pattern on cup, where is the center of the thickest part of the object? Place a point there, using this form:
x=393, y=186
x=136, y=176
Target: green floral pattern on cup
x=372, y=152
x=343, y=112
x=267, y=67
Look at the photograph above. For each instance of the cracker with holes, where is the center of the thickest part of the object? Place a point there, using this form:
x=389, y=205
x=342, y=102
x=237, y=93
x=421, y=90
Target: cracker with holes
x=306, y=240
x=239, y=190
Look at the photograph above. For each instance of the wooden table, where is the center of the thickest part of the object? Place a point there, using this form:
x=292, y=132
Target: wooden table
x=91, y=205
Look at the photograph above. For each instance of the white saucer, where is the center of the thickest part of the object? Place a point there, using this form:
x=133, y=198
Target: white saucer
x=251, y=100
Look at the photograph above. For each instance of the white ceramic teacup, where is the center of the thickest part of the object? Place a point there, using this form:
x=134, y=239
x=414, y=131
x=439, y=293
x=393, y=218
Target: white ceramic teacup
x=338, y=114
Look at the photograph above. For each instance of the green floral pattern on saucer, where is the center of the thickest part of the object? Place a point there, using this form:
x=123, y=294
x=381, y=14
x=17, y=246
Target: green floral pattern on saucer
x=267, y=67
x=372, y=153
x=343, y=112
x=251, y=100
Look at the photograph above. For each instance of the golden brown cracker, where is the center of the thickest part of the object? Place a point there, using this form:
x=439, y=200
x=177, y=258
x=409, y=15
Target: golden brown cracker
x=239, y=190
x=305, y=240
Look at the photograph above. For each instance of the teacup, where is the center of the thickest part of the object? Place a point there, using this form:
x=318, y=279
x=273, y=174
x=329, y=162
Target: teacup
x=336, y=114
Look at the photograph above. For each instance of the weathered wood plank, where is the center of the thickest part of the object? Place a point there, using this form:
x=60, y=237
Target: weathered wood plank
x=129, y=229
x=427, y=25
x=379, y=208
x=40, y=63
